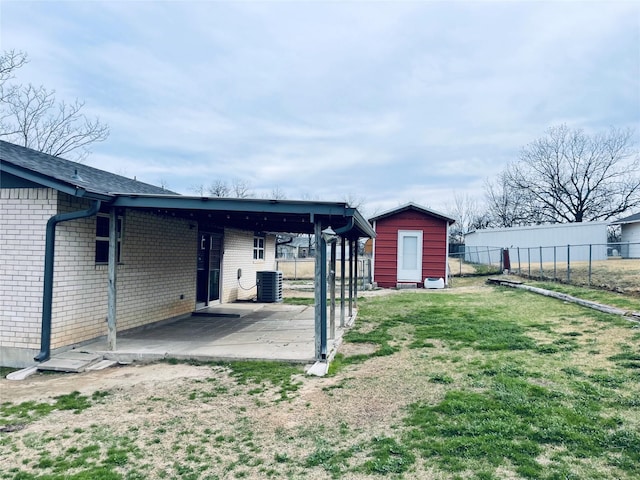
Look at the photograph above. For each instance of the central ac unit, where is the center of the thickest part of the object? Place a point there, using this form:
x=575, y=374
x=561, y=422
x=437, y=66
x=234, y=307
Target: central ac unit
x=269, y=284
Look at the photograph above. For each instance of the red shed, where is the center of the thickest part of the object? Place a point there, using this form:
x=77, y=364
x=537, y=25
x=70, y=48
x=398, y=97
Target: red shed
x=411, y=245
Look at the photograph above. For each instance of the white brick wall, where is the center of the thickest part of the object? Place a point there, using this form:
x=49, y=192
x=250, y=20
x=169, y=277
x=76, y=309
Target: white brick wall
x=23, y=217
x=157, y=268
x=238, y=253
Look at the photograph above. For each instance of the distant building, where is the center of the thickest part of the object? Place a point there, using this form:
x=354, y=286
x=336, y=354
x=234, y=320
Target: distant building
x=483, y=246
x=296, y=247
x=630, y=234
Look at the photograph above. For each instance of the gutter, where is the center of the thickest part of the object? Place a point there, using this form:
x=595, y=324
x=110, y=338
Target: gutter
x=347, y=228
x=47, y=296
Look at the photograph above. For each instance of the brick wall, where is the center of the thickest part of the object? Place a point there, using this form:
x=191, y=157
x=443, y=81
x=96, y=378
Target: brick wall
x=156, y=275
x=23, y=217
x=157, y=267
x=238, y=253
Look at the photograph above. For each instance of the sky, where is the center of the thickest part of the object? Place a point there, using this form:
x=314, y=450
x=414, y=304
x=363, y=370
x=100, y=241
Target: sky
x=378, y=103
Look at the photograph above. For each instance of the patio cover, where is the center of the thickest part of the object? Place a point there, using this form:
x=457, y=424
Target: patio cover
x=26, y=168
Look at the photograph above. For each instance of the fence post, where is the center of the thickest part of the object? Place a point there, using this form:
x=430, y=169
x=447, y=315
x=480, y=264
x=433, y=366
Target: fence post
x=295, y=268
x=529, y=260
x=541, y=273
x=519, y=266
x=568, y=263
x=460, y=258
x=589, y=282
x=555, y=267
x=489, y=256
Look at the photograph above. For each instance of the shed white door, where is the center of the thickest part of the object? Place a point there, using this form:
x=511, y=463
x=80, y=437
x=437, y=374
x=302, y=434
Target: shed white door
x=409, y=255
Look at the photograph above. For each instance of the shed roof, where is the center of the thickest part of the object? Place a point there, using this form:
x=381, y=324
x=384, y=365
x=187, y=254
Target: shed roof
x=415, y=207
x=117, y=191
x=630, y=219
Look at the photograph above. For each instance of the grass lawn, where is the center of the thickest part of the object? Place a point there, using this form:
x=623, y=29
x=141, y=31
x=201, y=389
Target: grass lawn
x=474, y=382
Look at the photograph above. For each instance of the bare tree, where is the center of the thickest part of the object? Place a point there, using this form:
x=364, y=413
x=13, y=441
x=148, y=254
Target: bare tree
x=219, y=188
x=198, y=189
x=508, y=206
x=570, y=176
x=222, y=189
x=10, y=61
x=354, y=201
x=241, y=188
x=468, y=215
x=278, y=193
x=31, y=116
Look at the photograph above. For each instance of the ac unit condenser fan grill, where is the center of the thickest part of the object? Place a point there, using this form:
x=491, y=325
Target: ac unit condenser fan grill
x=269, y=286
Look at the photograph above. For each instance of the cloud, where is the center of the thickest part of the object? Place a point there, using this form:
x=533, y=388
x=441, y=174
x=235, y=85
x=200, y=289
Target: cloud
x=389, y=101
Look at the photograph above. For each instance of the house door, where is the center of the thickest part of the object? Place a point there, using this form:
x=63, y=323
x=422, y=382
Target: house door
x=209, y=262
x=409, y=256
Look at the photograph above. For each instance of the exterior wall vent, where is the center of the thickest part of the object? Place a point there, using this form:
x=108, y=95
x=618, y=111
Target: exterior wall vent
x=269, y=286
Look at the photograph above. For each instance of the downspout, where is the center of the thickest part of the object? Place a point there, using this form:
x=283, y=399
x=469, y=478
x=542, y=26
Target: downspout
x=342, y=230
x=47, y=296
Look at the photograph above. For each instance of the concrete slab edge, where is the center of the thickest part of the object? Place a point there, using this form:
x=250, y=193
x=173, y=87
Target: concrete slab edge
x=22, y=374
x=319, y=369
x=101, y=365
x=127, y=357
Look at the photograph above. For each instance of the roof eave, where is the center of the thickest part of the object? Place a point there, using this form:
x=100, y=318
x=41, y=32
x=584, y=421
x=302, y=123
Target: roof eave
x=49, y=182
x=363, y=228
x=413, y=206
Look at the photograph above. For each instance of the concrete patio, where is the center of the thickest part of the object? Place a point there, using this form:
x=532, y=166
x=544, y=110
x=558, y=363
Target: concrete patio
x=224, y=332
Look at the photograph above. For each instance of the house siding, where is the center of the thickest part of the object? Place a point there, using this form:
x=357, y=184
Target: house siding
x=631, y=234
x=238, y=253
x=434, y=246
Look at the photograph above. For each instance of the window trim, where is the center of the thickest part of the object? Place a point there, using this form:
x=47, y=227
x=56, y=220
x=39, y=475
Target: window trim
x=259, y=250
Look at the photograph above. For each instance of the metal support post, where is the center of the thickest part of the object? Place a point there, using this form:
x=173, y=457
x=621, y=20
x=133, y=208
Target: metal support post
x=332, y=294
x=350, y=278
x=355, y=273
x=112, y=274
x=320, y=284
x=343, y=248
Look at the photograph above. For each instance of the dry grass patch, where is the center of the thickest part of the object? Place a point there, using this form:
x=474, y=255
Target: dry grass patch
x=477, y=383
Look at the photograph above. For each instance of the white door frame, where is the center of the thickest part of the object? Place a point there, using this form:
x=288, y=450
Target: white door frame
x=412, y=271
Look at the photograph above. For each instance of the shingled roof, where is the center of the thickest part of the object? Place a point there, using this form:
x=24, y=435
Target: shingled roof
x=415, y=207
x=73, y=173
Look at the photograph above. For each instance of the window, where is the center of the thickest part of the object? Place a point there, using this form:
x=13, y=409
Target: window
x=258, y=248
x=102, y=238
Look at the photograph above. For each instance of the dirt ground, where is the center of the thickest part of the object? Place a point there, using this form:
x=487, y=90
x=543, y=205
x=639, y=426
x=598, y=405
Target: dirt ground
x=191, y=416
x=157, y=375
x=147, y=399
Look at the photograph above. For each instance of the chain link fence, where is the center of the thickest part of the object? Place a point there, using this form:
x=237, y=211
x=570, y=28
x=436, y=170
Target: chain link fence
x=614, y=266
x=295, y=269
